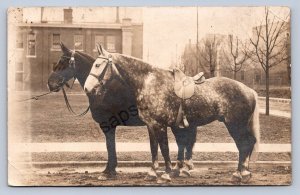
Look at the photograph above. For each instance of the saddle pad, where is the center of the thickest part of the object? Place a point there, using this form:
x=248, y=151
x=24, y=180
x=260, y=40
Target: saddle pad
x=184, y=88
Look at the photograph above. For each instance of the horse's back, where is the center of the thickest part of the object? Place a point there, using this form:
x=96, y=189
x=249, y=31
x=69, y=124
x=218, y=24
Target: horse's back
x=224, y=99
x=227, y=88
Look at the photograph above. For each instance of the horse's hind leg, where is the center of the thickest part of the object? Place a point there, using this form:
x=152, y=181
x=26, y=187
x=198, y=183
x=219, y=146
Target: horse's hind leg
x=180, y=137
x=245, y=143
x=191, y=134
x=191, y=140
x=185, y=139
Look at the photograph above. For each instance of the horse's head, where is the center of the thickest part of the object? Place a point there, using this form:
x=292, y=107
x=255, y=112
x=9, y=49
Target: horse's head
x=102, y=73
x=63, y=71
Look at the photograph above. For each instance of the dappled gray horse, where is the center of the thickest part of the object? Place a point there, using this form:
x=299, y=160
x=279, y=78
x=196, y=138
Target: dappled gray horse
x=111, y=109
x=221, y=99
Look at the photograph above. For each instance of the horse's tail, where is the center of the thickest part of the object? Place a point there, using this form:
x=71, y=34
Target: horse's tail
x=255, y=129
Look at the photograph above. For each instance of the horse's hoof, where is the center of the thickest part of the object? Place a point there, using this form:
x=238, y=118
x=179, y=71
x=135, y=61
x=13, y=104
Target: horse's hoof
x=189, y=164
x=155, y=165
x=237, y=177
x=184, y=173
x=164, y=178
x=151, y=175
x=246, y=176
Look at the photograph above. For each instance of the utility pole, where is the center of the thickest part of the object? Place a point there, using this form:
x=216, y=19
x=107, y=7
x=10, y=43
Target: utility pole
x=148, y=55
x=197, y=44
x=176, y=56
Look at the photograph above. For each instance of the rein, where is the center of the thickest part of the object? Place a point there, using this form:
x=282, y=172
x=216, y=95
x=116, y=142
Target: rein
x=71, y=63
x=66, y=101
x=35, y=97
x=69, y=106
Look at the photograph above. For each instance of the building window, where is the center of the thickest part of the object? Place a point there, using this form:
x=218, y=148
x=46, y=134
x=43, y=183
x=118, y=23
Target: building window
x=19, y=41
x=31, y=45
x=99, y=39
x=19, y=67
x=56, y=41
x=78, y=42
x=111, y=43
x=19, y=72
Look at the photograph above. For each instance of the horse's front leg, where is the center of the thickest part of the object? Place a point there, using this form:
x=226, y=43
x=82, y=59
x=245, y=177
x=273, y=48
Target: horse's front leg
x=152, y=175
x=110, y=170
x=162, y=138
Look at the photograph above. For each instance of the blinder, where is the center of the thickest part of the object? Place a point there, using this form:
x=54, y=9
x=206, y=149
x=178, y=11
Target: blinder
x=109, y=63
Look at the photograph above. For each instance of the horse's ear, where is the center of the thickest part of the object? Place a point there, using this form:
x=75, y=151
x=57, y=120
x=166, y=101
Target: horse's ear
x=99, y=48
x=64, y=49
x=105, y=53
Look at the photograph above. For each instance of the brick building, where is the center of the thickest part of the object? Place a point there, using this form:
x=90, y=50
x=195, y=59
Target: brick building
x=40, y=31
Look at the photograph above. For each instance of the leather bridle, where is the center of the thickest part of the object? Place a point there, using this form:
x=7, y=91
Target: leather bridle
x=100, y=78
x=63, y=82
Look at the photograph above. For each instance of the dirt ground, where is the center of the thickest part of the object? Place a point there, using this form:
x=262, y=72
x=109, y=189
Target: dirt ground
x=146, y=156
x=274, y=175
x=47, y=120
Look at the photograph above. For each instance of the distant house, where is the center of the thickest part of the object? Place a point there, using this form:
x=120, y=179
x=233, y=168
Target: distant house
x=41, y=30
x=209, y=55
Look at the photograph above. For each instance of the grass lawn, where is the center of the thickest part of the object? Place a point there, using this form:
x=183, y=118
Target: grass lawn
x=48, y=120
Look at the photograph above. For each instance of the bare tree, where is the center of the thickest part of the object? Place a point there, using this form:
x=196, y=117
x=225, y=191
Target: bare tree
x=269, y=46
x=238, y=55
x=209, y=53
x=288, y=54
x=190, y=58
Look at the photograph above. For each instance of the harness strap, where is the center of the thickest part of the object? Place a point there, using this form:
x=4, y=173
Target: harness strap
x=70, y=108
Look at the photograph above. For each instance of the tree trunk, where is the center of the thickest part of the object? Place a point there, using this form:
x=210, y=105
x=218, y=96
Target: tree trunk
x=234, y=74
x=289, y=72
x=212, y=73
x=267, y=92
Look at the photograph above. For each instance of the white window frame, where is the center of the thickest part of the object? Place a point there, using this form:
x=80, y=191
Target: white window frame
x=52, y=42
x=20, y=34
x=81, y=42
x=19, y=72
x=28, y=55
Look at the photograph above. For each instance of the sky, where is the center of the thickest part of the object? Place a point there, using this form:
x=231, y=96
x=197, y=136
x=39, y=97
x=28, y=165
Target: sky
x=168, y=29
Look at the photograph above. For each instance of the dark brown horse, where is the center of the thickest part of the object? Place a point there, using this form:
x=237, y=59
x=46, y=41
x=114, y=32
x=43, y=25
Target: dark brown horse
x=111, y=109
x=219, y=99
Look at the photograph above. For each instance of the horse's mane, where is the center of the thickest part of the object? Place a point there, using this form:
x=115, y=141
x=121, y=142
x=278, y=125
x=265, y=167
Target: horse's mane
x=89, y=57
x=140, y=61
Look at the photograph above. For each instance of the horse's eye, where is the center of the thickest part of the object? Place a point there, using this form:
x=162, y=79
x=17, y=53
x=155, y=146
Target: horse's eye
x=97, y=65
